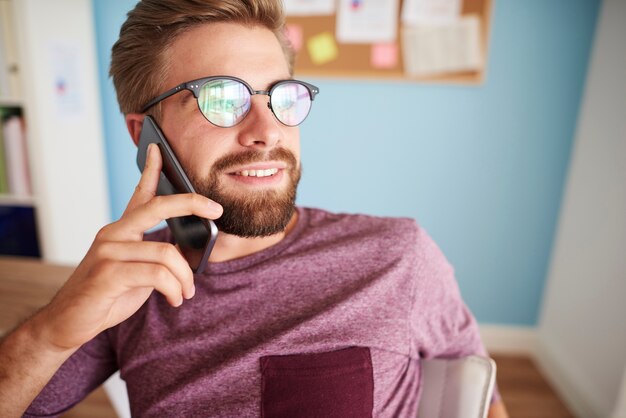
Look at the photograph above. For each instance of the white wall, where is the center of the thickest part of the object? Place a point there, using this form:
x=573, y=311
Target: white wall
x=583, y=324
x=620, y=407
x=65, y=130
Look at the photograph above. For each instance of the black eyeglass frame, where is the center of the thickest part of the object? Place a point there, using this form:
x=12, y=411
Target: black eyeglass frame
x=194, y=86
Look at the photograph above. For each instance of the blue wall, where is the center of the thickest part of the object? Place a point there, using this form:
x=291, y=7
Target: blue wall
x=482, y=168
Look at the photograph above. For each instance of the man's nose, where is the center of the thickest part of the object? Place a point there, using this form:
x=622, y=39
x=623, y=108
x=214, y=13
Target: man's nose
x=260, y=128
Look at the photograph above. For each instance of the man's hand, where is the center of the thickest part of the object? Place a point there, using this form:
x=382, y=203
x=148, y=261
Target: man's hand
x=497, y=410
x=120, y=271
x=117, y=275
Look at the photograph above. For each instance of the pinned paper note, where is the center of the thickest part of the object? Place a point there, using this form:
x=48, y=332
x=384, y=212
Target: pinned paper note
x=438, y=49
x=309, y=7
x=356, y=4
x=65, y=68
x=294, y=35
x=367, y=21
x=430, y=12
x=384, y=56
x=322, y=48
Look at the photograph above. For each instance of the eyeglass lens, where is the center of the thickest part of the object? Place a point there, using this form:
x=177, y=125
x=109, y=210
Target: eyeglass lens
x=226, y=102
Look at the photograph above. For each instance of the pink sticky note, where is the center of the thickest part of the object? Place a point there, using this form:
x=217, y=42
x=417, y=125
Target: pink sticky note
x=294, y=34
x=384, y=55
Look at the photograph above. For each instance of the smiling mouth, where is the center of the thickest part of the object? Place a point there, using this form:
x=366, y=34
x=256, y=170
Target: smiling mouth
x=257, y=173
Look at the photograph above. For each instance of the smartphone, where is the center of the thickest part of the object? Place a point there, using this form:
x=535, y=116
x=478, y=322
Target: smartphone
x=195, y=236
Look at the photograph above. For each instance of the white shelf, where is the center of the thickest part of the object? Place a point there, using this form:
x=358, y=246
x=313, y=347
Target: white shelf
x=47, y=34
x=13, y=200
x=11, y=102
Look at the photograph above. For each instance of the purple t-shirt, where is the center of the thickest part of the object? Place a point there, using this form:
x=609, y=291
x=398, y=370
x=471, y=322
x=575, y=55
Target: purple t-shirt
x=331, y=321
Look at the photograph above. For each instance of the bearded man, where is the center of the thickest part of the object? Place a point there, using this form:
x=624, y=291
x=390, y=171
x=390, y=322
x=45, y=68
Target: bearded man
x=299, y=312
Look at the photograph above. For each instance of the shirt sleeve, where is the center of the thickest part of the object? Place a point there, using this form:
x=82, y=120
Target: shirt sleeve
x=83, y=372
x=442, y=323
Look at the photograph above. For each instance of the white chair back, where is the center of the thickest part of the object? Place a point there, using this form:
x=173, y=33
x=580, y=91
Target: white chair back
x=456, y=388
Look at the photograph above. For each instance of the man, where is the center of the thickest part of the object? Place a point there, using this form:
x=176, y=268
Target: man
x=300, y=312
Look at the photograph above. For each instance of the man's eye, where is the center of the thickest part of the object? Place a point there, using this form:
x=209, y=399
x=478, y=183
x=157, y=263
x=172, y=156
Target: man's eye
x=187, y=99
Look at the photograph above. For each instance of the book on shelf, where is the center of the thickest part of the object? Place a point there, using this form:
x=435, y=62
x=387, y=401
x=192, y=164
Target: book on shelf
x=4, y=185
x=18, y=231
x=15, y=161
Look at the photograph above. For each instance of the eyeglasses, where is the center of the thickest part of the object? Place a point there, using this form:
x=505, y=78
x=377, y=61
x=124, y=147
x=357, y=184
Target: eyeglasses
x=225, y=101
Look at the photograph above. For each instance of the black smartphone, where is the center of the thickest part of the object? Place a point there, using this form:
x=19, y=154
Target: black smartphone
x=195, y=236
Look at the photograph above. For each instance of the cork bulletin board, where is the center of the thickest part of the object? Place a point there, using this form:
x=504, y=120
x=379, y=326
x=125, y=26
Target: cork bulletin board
x=356, y=60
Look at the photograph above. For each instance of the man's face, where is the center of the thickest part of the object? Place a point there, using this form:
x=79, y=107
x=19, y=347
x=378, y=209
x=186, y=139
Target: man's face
x=253, y=168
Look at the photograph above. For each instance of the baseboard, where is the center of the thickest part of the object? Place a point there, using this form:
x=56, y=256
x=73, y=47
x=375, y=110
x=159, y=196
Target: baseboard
x=577, y=391
x=505, y=339
x=574, y=388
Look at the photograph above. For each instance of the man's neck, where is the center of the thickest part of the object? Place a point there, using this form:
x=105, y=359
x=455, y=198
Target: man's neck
x=228, y=247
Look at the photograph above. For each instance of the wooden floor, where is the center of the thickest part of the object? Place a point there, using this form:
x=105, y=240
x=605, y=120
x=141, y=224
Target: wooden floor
x=525, y=392
x=96, y=405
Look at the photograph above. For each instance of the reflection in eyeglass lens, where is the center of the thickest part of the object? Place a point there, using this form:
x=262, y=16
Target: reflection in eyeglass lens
x=224, y=102
x=291, y=103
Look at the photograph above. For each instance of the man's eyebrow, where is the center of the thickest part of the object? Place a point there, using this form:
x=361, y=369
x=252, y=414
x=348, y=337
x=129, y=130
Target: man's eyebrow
x=289, y=77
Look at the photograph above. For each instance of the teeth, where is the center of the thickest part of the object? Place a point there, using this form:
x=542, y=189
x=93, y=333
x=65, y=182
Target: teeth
x=257, y=173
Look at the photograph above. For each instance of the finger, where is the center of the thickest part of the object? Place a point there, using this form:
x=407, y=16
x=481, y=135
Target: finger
x=114, y=278
x=151, y=252
x=147, y=186
x=136, y=222
x=152, y=275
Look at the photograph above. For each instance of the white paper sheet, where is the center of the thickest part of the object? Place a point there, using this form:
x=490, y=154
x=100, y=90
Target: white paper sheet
x=309, y=7
x=65, y=69
x=439, y=49
x=430, y=12
x=367, y=21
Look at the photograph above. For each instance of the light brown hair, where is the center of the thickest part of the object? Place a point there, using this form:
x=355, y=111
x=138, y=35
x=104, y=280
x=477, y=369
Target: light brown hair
x=138, y=64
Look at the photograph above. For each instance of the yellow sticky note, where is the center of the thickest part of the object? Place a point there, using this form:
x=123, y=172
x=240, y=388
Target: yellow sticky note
x=322, y=48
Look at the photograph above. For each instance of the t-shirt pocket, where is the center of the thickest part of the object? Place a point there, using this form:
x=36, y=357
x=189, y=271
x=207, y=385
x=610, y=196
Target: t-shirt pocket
x=331, y=384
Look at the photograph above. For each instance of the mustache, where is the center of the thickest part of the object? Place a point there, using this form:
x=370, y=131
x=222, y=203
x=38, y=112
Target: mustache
x=252, y=156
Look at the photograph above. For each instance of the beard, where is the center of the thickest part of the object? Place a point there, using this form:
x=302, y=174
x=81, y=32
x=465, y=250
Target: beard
x=252, y=214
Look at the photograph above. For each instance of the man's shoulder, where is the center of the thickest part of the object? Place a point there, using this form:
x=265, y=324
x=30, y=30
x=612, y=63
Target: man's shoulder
x=358, y=223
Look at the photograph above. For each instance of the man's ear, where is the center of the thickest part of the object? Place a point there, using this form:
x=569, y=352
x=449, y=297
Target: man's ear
x=134, y=122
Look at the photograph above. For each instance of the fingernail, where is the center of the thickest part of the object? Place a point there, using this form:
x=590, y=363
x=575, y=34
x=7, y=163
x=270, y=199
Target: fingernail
x=150, y=150
x=192, y=292
x=214, y=206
